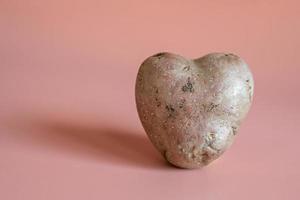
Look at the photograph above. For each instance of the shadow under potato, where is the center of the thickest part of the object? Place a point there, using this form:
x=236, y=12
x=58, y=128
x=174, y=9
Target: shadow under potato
x=110, y=145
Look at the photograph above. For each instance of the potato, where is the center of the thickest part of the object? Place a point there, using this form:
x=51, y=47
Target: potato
x=191, y=109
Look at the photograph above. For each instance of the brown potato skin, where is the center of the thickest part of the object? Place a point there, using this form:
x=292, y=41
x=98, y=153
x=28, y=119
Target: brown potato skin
x=191, y=109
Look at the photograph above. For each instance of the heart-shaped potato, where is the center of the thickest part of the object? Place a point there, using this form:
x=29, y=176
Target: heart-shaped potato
x=192, y=109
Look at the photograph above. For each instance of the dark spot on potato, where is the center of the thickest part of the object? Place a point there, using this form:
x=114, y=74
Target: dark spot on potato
x=181, y=103
x=158, y=103
x=249, y=89
x=229, y=54
x=188, y=87
x=159, y=55
x=234, y=130
x=210, y=107
x=156, y=90
x=186, y=68
x=171, y=110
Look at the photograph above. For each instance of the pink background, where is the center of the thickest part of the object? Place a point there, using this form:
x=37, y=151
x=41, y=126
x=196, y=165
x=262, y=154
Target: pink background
x=68, y=122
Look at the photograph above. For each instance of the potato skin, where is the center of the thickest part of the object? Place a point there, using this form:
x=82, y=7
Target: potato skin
x=191, y=109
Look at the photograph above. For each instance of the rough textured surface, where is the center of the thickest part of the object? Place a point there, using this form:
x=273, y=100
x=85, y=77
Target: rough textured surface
x=191, y=109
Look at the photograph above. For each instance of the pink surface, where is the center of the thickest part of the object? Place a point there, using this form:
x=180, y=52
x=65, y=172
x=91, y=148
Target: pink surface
x=68, y=123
